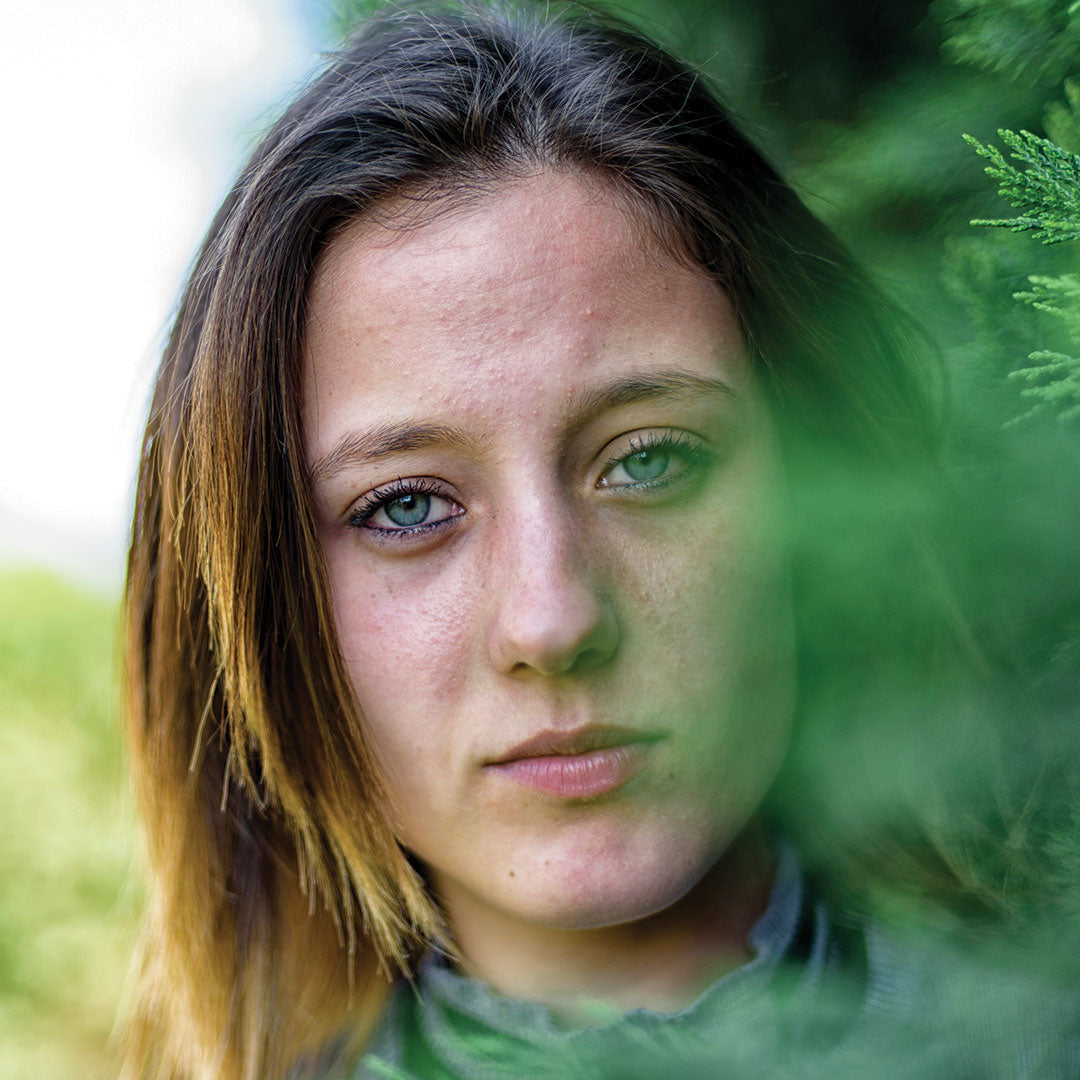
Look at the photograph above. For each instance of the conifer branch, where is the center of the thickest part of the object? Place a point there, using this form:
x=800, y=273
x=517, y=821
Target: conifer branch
x=1046, y=191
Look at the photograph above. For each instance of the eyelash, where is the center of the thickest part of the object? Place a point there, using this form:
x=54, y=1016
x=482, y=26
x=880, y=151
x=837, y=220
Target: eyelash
x=695, y=459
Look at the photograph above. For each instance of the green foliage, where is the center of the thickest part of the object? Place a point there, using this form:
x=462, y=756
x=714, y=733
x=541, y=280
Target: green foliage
x=1062, y=118
x=1046, y=191
x=1056, y=376
x=1057, y=379
x=1021, y=39
x=344, y=16
x=67, y=832
x=1058, y=295
x=1033, y=490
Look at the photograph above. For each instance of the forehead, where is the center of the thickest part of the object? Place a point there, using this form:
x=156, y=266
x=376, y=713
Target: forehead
x=532, y=291
x=554, y=220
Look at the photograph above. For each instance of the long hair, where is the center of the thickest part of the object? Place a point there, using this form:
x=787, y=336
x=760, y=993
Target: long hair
x=280, y=903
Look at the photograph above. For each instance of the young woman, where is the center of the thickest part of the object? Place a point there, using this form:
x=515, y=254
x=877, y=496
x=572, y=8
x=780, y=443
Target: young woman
x=528, y=566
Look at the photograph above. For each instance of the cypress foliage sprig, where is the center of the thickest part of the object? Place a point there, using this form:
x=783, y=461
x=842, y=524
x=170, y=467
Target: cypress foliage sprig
x=1055, y=375
x=1060, y=296
x=1046, y=191
x=1057, y=379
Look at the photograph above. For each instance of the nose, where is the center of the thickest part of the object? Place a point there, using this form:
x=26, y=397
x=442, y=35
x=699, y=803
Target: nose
x=551, y=615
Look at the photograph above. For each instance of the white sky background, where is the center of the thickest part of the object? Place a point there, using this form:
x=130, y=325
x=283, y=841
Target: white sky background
x=124, y=122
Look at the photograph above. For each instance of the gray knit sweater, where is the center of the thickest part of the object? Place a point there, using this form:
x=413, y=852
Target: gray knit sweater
x=817, y=999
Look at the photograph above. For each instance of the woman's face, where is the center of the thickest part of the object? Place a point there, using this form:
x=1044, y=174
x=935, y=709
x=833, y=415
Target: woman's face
x=548, y=488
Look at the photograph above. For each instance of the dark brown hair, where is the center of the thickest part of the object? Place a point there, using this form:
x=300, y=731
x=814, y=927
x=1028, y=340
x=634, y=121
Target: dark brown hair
x=274, y=875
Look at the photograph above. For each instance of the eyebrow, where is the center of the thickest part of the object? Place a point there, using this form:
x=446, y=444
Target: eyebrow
x=394, y=438
x=645, y=387
x=384, y=440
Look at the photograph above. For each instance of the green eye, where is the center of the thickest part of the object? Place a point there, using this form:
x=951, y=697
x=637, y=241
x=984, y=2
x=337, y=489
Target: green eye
x=657, y=461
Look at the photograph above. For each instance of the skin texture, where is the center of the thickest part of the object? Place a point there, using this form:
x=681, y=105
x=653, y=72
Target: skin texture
x=558, y=589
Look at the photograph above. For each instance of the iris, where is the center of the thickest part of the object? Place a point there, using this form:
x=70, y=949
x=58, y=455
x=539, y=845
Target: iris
x=408, y=510
x=648, y=464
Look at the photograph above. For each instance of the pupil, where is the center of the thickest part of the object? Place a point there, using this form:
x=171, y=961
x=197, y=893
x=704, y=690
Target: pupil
x=409, y=509
x=646, y=464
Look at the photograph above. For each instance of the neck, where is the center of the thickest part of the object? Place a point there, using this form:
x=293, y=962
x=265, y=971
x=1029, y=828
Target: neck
x=662, y=962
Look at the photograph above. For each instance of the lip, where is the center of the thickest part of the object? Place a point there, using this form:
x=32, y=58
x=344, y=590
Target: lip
x=579, y=764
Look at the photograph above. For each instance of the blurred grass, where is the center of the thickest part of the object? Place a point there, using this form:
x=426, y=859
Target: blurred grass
x=67, y=833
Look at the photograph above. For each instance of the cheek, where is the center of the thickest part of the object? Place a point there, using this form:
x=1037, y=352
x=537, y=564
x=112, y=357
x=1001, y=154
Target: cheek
x=715, y=586
x=406, y=640
x=713, y=630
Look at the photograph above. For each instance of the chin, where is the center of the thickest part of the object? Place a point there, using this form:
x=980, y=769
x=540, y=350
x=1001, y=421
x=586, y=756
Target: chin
x=584, y=890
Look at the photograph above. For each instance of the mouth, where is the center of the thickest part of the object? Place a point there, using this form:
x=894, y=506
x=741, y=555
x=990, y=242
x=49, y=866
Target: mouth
x=579, y=764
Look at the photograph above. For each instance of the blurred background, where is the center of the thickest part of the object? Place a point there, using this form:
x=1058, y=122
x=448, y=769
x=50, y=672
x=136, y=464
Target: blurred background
x=125, y=122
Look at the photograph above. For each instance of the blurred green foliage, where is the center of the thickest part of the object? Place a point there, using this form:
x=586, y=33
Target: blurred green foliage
x=66, y=830
x=1020, y=39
